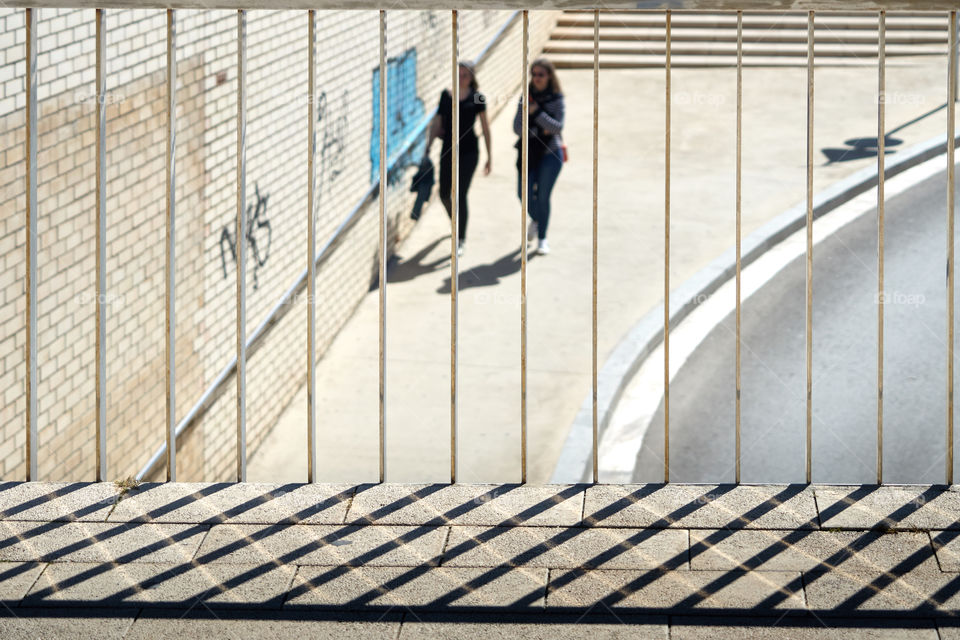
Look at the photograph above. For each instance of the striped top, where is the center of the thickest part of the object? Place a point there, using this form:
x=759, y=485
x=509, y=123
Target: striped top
x=548, y=118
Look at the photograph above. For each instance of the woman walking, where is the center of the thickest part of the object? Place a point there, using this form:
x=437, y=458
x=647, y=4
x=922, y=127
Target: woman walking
x=545, y=153
x=472, y=104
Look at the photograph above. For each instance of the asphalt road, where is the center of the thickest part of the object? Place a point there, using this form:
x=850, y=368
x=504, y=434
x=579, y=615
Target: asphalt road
x=773, y=431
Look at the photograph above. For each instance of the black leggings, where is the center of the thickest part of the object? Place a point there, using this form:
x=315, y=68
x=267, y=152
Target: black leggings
x=467, y=167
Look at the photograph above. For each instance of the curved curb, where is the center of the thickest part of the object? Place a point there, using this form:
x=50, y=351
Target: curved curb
x=575, y=463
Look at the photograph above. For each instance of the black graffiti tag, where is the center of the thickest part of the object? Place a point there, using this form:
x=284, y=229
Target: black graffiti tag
x=258, y=236
x=334, y=135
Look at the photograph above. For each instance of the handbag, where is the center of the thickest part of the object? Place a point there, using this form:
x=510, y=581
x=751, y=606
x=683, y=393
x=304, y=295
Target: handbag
x=538, y=147
x=421, y=184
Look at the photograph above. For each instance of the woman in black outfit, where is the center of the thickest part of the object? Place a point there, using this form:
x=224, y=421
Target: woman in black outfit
x=472, y=104
x=545, y=153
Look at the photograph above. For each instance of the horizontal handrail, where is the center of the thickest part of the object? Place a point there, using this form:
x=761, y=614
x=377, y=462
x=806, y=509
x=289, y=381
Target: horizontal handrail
x=608, y=5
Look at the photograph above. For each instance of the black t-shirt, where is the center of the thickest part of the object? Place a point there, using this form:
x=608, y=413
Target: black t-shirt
x=474, y=103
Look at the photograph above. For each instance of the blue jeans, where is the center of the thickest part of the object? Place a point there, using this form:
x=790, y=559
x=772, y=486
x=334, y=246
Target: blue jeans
x=540, y=183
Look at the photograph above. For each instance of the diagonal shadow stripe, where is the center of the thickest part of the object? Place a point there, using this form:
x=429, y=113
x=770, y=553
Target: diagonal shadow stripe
x=49, y=497
x=494, y=573
x=678, y=560
x=204, y=492
x=914, y=560
x=775, y=549
x=408, y=576
x=51, y=526
x=951, y=588
x=178, y=537
x=121, y=527
x=291, y=556
x=863, y=541
x=440, y=519
x=598, y=516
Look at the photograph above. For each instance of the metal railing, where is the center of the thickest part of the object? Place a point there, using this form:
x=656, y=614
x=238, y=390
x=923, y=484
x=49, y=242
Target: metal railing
x=320, y=257
x=242, y=351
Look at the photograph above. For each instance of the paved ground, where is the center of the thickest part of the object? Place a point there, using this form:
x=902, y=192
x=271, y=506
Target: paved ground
x=442, y=561
x=631, y=233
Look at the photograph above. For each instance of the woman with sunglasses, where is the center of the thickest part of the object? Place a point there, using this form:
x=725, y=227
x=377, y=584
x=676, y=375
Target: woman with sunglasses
x=545, y=147
x=473, y=104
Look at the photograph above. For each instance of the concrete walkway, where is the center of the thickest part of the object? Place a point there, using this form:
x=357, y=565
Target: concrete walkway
x=462, y=561
x=631, y=249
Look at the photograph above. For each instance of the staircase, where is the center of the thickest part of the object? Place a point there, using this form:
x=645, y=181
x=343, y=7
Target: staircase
x=700, y=39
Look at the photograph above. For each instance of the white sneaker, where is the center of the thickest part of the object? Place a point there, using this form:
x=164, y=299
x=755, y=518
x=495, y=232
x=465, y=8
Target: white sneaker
x=543, y=248
x=460, y=248
x=531, y=231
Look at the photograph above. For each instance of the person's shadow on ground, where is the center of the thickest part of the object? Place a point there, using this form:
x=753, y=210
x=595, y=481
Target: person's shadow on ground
x=401, y=270
x=486, y=275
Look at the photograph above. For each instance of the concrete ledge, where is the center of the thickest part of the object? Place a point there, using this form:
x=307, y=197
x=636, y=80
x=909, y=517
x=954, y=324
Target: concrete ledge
x=571, y=548
x=506, y=504
x=236, y=503
x=98, y=542
x=863, y=553
x=894, y=508
x=575, y=463
x=434, y=589
x=303, y=545
x=658, y=506
x=768, y=590
x=56, y=501
x=160, y=585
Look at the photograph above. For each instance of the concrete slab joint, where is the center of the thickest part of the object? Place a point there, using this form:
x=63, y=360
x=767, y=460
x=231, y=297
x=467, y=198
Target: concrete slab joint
x=281, y=552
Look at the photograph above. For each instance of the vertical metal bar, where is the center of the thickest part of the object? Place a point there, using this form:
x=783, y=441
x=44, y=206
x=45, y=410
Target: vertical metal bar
x=739, y=228
x=382, y=189
x=311, y=248
x=241, y=245
x=596, y=126
x=809, y=312
x=666, y=265
x=454, y=236
x=32, y=242
x=956, y=77
x=101, y=255
x=524, y=186
x=171, y=321
x=881, y=150
x=951, y=132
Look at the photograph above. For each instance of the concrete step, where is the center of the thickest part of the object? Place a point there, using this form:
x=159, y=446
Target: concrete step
x=684, y=49
x=769, y=13
x=636, y=39
x=787, y=21
x=653, y=60
x=823, y=35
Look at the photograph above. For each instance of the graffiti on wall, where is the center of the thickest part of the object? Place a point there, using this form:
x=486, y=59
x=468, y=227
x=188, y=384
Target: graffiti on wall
x=404, y=113
x=429, y=19
x=258, y=236
x=334, y=136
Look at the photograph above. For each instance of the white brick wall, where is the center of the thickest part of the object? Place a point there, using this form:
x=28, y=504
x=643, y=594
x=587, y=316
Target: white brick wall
x=348, y=54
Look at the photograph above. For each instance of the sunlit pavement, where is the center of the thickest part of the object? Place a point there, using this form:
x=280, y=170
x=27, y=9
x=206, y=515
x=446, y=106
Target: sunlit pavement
x=258, y=560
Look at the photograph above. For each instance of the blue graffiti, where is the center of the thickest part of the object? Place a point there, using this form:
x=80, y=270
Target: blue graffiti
x=405, y=114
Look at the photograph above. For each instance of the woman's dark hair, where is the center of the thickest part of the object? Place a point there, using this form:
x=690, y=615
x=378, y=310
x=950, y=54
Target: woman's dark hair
x=473, y=74
x=552, y=83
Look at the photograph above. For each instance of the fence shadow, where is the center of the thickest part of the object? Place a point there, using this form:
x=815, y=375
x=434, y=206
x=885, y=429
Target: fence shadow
x=76, y=587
